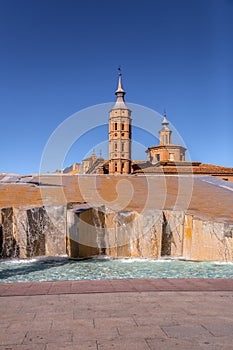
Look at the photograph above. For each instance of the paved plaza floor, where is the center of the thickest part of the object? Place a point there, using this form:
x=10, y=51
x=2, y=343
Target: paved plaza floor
x=117, y=314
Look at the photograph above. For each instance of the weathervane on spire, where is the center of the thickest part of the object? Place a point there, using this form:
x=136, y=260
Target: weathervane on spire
x=119, y=70
x=165, y=122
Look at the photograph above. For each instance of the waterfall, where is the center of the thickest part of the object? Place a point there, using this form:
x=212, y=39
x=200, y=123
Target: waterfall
x=27, y=233
x=98, y=218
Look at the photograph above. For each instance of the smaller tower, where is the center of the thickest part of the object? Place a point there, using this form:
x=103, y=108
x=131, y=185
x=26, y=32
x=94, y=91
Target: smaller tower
x=166, y=151
x=165, y=133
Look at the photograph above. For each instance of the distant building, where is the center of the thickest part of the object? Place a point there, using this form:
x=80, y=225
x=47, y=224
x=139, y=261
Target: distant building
x=92, y=165
x=72, y=169
x=166, y=158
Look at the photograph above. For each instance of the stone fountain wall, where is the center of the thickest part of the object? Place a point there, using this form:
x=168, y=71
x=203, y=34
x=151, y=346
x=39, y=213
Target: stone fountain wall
x=55, y=231
x=153, y=234
x=99, y=231
x=32, y=232
x=207, y=240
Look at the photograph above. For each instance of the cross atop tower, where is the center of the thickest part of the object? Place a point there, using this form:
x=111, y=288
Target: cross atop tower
x=165, y=122
x=120, y=92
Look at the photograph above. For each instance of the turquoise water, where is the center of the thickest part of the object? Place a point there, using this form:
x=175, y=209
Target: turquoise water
x=60, y=269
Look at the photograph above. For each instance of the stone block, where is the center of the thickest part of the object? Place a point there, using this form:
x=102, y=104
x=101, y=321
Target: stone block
x=187, y=237
x=207, y=240
x=83, y=232
x=21, y=228
x=10, y=247
x=118, y=234
x=55, y=230
x=31, y=232
x=172, y=235
x=130, y=234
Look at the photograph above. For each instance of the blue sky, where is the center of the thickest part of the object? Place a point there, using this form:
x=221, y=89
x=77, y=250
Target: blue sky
x=61, y=56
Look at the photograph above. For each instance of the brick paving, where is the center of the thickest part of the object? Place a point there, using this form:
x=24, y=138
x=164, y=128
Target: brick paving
x=117, y=314
x=118, y=285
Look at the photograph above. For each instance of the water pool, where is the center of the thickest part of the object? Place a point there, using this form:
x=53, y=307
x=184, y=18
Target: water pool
x=60, y=269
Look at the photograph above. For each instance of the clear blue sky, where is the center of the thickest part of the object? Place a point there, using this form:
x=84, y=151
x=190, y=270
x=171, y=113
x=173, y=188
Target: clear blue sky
x=60, y=56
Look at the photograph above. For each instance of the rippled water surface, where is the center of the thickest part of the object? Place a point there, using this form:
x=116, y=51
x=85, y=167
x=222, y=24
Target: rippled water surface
x=95, y=269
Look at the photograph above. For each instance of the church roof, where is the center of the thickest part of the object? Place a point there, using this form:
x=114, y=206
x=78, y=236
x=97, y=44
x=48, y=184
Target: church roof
x=120, y=105
x=167, y=146
x=195, y=168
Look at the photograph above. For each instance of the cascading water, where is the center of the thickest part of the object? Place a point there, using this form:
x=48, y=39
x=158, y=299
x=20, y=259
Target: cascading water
x=27, y=233
x=98, y=221
x=37, y=221
x=10, y=247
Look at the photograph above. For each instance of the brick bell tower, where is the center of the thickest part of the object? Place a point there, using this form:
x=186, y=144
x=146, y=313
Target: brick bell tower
x=120, y=133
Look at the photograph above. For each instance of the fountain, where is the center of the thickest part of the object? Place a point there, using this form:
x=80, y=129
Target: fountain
x=80, y=230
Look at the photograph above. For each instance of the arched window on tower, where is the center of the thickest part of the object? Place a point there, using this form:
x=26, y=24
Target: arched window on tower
x=122, y=126
x=115, y=126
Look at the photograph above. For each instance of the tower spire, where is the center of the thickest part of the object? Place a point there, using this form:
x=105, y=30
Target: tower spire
x=120, y=92
x=165, y=121
x=165, y=132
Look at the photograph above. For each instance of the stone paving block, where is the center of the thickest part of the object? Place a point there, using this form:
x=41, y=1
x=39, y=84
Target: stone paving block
x=181, y=331
x=4, y=287
x=214, y=310
x=70, y=324
x=17, y=317
x=142, y=285
x=173, y=308
x=219, y=329
x=3, y=326
x=81, y=345
x=53, y=315
x=10, y=338
x=123, y=344
x=216, y=343
x=141, y=332
x=170, y=344
x=113, y=322
x=24, y=347
x=43, y=325
x=38, y=308
x=164, y=319
x=115, y=312
x=91, y=287
x=37, y=337
x=96, y=306
x=89, y=333
x=123, y=285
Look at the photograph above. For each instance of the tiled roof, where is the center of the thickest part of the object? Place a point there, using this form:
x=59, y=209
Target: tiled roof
x=195, y=168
